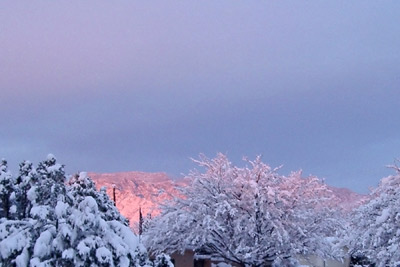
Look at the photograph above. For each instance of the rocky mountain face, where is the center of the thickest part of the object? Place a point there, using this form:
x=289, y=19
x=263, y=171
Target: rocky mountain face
x=143, y=190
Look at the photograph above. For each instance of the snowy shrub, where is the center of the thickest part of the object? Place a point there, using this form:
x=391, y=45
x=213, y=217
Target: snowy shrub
x=15, y=242
x=163, y=260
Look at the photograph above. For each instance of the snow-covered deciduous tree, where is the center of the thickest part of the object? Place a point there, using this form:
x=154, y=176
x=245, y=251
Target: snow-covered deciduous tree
x=251, y=216
x=376, y=224
x=63, y=224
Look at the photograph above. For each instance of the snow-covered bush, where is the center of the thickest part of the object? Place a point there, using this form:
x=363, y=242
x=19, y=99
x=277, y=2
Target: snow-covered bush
x=250, y=216
x=62, y=224
x=163, y=260
x=376, y=224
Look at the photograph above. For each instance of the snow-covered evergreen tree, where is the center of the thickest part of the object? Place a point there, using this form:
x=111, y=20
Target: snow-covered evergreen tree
x=50, y=186
x=376, y=224
x=96, y=232
x=81, y=185
x=7, y=191
x=60, y=224
x=251, y=216
x=26, y=179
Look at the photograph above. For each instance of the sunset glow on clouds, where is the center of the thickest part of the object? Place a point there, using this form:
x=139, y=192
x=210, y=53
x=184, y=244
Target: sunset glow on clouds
x=144, y=85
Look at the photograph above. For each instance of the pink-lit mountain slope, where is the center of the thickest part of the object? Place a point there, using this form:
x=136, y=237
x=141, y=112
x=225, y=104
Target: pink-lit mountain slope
x=136, y=189
x=348, y=199
x=147, y=190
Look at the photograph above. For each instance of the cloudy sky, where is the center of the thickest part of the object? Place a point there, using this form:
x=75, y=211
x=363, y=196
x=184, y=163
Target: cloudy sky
x=112, y=86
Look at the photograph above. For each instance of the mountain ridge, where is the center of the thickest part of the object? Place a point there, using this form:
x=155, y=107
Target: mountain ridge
x=136, y=190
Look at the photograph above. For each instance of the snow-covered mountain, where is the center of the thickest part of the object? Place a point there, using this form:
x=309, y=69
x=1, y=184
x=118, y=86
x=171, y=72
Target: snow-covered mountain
x=136, y=190
x=348, y=199
x=143, y=190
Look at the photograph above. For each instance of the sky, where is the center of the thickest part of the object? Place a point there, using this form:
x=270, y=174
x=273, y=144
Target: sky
x=111, y=86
